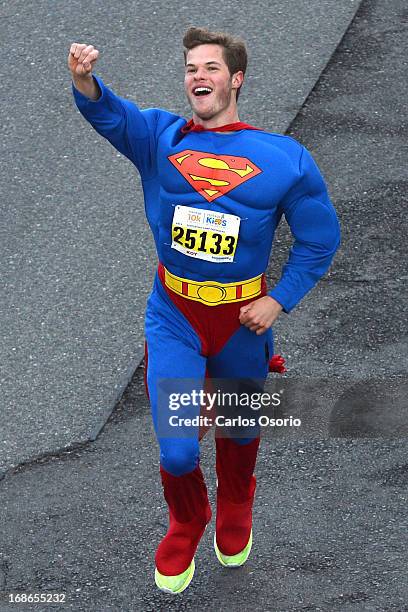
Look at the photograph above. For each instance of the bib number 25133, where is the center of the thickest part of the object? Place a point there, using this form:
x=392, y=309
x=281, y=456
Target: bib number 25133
x=205, y=234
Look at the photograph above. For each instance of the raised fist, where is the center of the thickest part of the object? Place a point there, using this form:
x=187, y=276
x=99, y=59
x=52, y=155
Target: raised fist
x=81, y=59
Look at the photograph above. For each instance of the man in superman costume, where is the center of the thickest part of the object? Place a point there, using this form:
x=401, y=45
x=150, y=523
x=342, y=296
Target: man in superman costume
x=215, y=190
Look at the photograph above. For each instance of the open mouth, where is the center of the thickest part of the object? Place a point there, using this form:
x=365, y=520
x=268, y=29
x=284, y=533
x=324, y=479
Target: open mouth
x=202, y=91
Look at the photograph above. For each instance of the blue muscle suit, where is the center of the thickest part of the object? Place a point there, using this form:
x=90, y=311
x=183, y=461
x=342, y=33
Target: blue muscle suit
x=213, y=202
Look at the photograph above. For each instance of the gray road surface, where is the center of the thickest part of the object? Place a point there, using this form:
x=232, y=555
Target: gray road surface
x=330, y=519
x=77, y=259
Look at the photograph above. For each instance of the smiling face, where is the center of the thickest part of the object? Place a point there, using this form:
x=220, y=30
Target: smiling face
x=210, y=87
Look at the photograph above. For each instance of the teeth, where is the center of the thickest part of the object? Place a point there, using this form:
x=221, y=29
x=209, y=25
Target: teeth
x=202, y=90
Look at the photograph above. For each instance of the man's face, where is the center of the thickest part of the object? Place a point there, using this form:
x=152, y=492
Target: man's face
x=208, y=83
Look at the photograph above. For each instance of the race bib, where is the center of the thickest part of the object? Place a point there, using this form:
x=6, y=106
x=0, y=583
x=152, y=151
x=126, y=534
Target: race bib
x=205, y=234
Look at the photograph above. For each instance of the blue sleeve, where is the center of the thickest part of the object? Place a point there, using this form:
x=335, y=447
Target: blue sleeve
x=130, y=130
x=316, y=231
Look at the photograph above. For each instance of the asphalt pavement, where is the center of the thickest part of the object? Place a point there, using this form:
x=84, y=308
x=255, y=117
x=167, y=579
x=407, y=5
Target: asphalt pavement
x=77, y=258
x=330, y=520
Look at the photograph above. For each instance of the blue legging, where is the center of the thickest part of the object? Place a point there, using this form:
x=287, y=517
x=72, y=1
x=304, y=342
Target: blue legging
x=174, y=352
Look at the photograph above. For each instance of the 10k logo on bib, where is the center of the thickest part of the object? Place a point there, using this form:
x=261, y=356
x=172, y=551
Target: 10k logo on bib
x=205, y=234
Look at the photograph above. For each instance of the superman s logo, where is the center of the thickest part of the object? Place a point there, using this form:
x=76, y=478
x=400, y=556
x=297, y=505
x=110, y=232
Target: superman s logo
x=213, y=175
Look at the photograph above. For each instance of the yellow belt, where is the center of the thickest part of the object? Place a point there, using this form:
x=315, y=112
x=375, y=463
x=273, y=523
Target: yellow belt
x=212, y=293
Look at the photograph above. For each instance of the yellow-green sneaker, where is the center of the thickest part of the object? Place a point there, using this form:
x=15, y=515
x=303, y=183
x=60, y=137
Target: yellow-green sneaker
x=175, y=584
x=233, y=560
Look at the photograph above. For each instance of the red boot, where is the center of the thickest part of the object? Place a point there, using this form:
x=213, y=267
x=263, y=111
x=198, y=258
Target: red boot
x=189, y=513
x=235, y=464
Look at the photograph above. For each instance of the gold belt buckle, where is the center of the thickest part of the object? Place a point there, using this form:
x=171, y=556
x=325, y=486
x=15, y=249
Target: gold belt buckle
x=211, y=294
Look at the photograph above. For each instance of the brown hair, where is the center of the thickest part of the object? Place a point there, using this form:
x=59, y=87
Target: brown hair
x=233, y=48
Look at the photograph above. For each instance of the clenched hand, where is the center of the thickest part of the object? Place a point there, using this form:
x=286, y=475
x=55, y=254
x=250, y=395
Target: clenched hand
x=259, y=315
x=81, y=59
